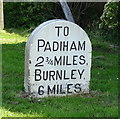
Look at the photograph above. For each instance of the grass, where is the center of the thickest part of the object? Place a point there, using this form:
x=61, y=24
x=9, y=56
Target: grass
x=102, y=100
x=13, y=36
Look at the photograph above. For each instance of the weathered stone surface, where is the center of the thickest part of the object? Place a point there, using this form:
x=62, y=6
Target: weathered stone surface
x=57, y=60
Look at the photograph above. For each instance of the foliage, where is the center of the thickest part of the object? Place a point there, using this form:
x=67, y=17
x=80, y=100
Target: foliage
x=101, y=102
x=26, y=14
x=32, y=14
x=86, y=14
x=109, y=19
x=11, y=36
x=103, y=35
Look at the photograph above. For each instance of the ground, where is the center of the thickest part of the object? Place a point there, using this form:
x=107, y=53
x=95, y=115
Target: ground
x=102, y=101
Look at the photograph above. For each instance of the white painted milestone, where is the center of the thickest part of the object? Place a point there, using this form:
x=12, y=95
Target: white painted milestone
x=57, y=60
x=27, y=52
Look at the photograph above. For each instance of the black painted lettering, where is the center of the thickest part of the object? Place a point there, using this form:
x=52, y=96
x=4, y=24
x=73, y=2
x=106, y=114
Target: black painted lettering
x=58, y=30
x=81, y=46
x=68, y=88
x=82, y=60
x=45, y=75
x=57, y=89
x=57, y=61
x=55, y=46
x=73, y=46
x=41, y=60
x=51, y=75
x=74, y=59
x=41, y=43
x=40, y=90
x=67, y=61
x=60, y=45
x=51, y=90
x=37, y=75
x=61, y=90
x=47, y=59
x=59, y=74
x=77, y=88
x=72, y=74
x=65, y=77
x=65, y=46
x=47, y=47
x=66, y=31
x=81, y=73
x=64, y=60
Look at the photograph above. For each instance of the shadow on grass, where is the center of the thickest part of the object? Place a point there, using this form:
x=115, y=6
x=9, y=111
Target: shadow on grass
x=22, y=32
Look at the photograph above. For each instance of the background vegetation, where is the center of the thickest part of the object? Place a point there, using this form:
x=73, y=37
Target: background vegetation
x=26, y=14
x=103, y=16
x=32, y=14
x=100, y=25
